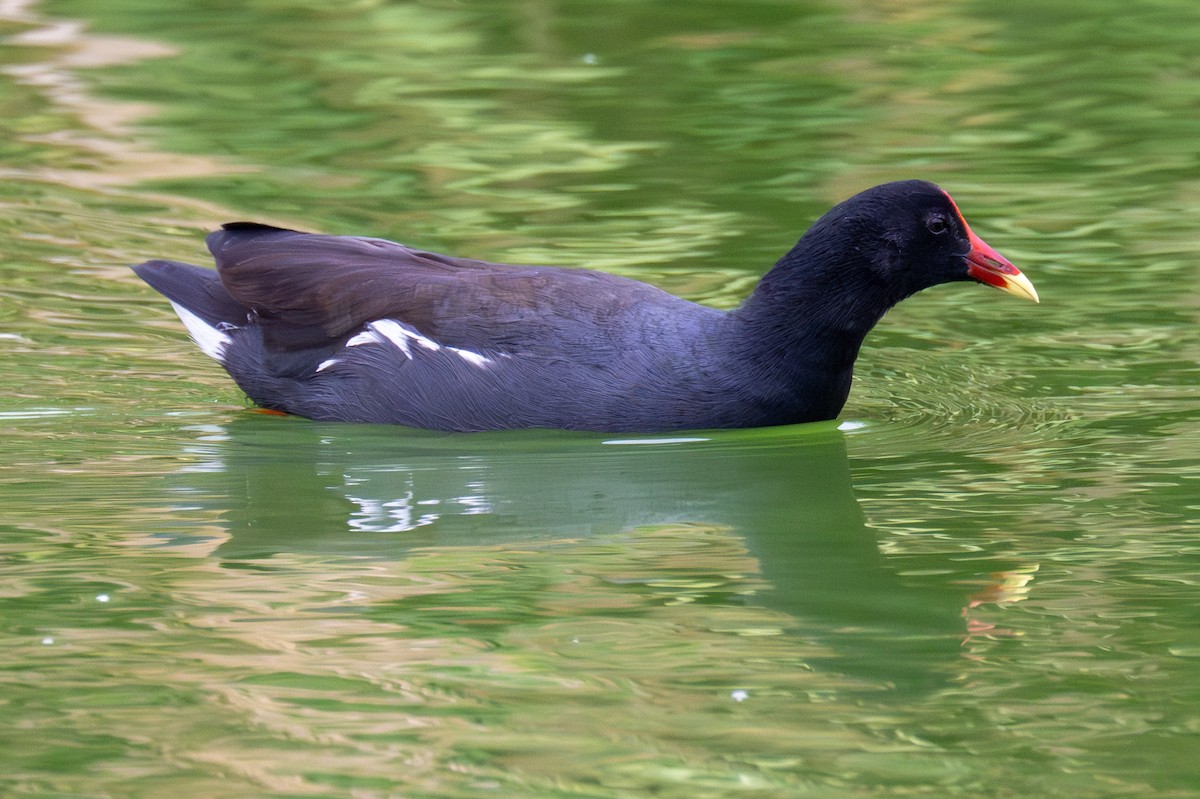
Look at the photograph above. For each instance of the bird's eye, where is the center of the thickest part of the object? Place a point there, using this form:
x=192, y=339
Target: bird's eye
x=937, y=225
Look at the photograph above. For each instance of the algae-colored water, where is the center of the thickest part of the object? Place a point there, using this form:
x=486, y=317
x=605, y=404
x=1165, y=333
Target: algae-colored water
x=984, y=583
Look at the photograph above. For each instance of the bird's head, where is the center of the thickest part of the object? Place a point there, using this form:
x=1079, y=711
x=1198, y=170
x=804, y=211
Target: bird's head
x=910, y=235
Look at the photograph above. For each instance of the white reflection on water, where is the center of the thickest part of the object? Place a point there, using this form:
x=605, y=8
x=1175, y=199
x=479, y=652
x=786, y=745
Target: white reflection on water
x=391, y=516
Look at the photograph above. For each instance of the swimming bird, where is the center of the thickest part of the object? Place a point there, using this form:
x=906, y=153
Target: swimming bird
x=357, y=329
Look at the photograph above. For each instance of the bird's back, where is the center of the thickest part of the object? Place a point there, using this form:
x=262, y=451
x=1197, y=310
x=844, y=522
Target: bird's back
x=364, y=329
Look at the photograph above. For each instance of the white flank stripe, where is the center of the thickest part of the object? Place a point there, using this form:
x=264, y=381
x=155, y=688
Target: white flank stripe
x=473, y=358
x=400, y=334
x=365, y=337
x=325, y=364
x=403, y=337
x=212, y=342
x=394, y=332
x=427, y=343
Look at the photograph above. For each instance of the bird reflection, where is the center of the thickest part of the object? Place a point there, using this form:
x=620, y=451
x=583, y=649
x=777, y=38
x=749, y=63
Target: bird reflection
x=288, y=486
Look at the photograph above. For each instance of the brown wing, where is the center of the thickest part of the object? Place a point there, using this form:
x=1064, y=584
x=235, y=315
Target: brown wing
x=322, y=287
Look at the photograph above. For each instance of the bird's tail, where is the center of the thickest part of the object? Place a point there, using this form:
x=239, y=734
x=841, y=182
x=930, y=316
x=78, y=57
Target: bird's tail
x=203, y=304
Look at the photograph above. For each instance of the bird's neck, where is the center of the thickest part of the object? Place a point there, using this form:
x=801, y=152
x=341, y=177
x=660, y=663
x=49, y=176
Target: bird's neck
x=800, y=331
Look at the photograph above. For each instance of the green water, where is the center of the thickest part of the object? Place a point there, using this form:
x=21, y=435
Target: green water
x=985, y=583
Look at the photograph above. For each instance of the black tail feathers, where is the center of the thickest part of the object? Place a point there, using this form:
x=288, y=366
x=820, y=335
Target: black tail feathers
x=197, y=289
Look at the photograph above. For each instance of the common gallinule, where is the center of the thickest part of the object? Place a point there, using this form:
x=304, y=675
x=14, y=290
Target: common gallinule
x=367, y=330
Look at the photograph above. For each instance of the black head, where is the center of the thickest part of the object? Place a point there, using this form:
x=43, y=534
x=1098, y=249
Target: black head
x=902, y=237
x=801, y=329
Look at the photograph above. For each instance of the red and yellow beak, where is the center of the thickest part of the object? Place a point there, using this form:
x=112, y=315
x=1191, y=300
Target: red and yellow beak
x=990, y=267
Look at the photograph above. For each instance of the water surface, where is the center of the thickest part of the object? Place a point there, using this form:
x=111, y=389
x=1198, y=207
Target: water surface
x=982, y=582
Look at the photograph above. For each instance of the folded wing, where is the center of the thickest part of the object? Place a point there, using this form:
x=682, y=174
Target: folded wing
x=308, y=288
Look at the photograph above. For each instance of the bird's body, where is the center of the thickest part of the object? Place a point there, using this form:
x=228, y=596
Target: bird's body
x=357, y=329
